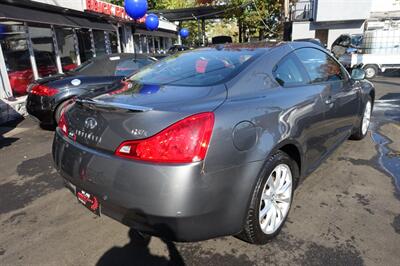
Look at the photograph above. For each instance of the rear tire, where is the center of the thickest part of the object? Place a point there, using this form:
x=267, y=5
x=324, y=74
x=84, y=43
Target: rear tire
x=362, y=129
x=271, y=199
x=371, y=71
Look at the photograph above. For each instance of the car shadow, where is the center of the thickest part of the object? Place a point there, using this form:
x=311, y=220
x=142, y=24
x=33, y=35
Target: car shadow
x=385, y=82
x=7, y=127
x=391, y=96
x=137, y=252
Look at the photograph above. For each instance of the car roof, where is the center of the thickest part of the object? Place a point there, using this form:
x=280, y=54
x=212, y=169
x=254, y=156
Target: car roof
x=121, y=56
x=261, y=46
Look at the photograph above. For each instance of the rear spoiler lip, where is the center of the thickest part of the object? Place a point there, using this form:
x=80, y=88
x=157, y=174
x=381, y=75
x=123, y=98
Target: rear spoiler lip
x=112, y=105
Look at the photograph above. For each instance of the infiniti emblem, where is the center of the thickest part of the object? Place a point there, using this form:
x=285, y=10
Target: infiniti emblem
x=90, y=123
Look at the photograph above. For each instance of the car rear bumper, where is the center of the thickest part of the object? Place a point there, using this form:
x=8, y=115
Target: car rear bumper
x=41, y=108
x=179, y=202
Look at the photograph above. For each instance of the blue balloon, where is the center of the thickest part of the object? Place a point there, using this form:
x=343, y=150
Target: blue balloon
x=184, y=33
x=152, y=22
x=136, y=9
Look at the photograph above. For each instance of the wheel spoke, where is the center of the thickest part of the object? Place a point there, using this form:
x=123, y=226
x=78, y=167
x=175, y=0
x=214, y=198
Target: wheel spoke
x=267, y=219
x=273, y=217
x=266, y=197
x=279, y=212
x=270, y=183
x=282, y=198
x=282, y=176
x=284, y=188
x=264, y=210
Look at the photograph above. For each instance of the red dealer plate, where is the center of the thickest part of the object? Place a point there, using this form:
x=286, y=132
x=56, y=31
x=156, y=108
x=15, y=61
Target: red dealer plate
x=89, y=201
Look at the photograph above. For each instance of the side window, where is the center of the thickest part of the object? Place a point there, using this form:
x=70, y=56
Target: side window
x=288, y=72
x=320, y=66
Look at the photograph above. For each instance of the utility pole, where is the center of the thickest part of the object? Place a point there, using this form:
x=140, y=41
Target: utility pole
x=286, y=9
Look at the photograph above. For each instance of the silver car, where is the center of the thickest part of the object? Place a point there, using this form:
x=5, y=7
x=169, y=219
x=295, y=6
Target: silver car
x=211, y=142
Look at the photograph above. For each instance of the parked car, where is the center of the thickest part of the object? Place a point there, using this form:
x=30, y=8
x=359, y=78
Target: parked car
x=312, y=40
x=376, y=50
x=177, y=48
x=211, y=142
x=20, y=71
x=47, y=97
x=221, y=39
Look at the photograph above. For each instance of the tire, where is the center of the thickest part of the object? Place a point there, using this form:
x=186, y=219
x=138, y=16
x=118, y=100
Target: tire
x=59, y=110
x=362, y=129
x=266, y=204
x=371, y=71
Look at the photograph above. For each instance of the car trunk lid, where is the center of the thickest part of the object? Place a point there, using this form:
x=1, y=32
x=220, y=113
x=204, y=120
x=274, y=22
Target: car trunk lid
x=103, y=119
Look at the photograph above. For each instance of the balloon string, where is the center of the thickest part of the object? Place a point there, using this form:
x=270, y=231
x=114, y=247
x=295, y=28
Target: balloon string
x=134, y=31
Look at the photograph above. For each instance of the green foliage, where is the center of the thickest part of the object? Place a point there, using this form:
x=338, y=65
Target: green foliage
x=257, y=18
x=160, y=4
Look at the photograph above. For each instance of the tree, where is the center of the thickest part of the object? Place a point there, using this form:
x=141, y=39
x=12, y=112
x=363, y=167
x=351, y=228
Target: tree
x=259, y=18
x=254, y=18
x=151, y=3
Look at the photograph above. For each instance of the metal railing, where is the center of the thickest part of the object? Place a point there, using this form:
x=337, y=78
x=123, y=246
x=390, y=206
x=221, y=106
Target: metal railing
x=302, y=10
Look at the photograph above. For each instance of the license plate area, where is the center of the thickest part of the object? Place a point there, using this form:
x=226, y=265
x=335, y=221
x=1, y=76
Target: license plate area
x=89, y=201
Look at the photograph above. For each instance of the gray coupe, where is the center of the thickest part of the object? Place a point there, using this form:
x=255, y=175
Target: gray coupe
x=211, y=142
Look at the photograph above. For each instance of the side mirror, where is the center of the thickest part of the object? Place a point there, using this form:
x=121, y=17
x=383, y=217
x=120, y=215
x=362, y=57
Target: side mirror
x=357, y=74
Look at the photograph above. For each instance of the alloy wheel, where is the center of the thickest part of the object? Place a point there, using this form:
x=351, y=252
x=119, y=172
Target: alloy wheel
x=366, y=118
x=276, y=199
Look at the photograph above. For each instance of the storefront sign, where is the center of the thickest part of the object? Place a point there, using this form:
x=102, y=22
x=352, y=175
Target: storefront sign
x=109, y=9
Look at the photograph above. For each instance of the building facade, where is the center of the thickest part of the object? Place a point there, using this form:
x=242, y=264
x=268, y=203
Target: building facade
x=39, y=38
x=328, y=19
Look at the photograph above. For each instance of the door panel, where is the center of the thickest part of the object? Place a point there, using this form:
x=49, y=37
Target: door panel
x=306, y=117
x=342, y=111
x=338, y=97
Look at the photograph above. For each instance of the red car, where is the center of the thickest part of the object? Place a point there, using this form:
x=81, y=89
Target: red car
x=20, y=71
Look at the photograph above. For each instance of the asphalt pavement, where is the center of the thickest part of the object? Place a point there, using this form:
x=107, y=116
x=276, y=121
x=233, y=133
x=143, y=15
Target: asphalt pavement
x=345, y=213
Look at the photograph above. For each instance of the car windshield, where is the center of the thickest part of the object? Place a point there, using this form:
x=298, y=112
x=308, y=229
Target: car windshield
x=112, y=66
x=197, y=68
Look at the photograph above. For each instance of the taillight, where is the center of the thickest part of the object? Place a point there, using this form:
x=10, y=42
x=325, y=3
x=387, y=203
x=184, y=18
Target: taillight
x=42, y=90
x=63, y=124
x=185, y=141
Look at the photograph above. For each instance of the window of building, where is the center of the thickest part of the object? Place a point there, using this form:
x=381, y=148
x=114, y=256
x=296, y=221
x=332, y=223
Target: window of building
x=113, y=42
x=66, y=48
x=99, y=42
x=137, y=44
x=144, y=44
x=320, y=66
x=14, y=43
x=85, y=44
x=43, y=48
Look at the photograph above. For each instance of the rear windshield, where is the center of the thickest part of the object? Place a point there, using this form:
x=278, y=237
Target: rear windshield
x=112, y=66
x=197, y=68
